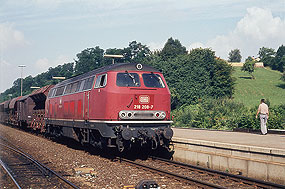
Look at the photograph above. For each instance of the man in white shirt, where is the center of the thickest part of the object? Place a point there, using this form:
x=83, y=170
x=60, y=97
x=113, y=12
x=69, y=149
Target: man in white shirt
x=264, y=114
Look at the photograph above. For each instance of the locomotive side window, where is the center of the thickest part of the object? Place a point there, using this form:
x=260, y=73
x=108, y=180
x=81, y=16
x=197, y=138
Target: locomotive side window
x=74, y=87
x=68, y=89
x=50, y=94
x=82, y=85
x=53, y=92
x=153, y=80
x=101, y=81
x=78, y=86
x=59, y=91
x=88, y=83
x=128, y=80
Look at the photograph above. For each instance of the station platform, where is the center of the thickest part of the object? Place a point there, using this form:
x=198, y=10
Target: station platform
x=247, y=154
x=273, y=141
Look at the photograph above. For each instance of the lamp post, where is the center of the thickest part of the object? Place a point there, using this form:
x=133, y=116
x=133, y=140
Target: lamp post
x=22, y=67
x=113, y=56
x=57, y=79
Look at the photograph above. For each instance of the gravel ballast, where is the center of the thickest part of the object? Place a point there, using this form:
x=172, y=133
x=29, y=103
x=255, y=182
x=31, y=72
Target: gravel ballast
x=81, y=167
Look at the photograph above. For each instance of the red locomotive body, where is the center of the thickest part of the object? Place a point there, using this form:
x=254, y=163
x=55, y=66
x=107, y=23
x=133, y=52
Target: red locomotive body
x=114, y=106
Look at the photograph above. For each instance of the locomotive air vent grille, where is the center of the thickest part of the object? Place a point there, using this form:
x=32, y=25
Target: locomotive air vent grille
x=130, y=114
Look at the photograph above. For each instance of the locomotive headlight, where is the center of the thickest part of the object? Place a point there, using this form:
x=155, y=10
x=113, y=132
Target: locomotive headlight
x=126, y=114
x=130, y=114
x=162, y=115
x=157, y=114
x=122, y=114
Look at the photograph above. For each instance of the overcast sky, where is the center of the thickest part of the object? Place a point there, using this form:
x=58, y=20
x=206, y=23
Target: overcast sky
x=45, y=33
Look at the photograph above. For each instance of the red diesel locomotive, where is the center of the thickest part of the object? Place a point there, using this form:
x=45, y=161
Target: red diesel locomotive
x=115, y=106
x=120, y=105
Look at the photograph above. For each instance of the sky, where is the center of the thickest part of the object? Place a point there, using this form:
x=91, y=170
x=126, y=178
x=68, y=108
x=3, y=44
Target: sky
x=45, y=33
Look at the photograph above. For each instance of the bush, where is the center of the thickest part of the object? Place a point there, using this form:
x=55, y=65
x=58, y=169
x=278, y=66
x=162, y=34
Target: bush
x=225, y=114
x=210, y=113
x=277, y=117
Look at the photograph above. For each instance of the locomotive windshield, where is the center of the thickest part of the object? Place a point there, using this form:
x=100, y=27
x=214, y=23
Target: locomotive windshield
x=128, y=80
x=153, y=80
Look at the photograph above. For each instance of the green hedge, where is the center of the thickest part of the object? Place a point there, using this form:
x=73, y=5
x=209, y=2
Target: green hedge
x=225, y=114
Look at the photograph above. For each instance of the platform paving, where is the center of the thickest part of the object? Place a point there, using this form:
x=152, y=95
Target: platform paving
x=246, y=139
x=249, y=154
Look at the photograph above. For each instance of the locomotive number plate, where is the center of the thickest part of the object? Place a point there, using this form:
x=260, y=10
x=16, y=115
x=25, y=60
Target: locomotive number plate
x=144, y=102
x=143, y=107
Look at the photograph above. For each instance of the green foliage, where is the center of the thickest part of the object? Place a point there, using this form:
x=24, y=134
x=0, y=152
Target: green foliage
x=114, y=51
x=222, y=80
x=209, y=113
x=248, y=59
x=172, y=49
x=283, y=76
x=279, y=60
x=225, y=114
x=277, y=117
x=234, y=55
x=175, y=98
x=266, y=55
x=275, y=60
x=248, y=66
x=89, y=59
x=135, y=52
x=195, y=76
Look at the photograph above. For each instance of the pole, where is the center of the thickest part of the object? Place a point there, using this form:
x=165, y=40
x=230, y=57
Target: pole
x=21, y=66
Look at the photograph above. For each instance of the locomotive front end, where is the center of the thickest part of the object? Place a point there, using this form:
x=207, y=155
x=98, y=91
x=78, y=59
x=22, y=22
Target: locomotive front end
x=141, y=104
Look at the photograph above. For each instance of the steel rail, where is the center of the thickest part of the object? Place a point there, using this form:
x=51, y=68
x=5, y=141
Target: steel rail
x=39, y=164
x=261, y=183
x=10, y=175
x=199, y=182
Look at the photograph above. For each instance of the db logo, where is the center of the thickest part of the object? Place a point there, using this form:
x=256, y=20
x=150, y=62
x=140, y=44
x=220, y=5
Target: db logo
x=144, y=99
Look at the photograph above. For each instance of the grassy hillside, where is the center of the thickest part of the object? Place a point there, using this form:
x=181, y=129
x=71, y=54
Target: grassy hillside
x=267, y=84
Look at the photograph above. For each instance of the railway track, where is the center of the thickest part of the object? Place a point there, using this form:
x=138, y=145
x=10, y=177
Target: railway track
x=202, y=177
x=26, y=172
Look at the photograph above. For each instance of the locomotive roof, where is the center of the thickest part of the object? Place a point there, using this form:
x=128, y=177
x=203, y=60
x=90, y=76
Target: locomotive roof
x=112, y=67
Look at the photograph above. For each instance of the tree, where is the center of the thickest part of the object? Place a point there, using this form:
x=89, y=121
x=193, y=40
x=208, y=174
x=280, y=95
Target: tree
x=234, y=55
x=266, y=56
x=89, y=59
x=222, y=80
x=283, y=77
x=172, y=49
x=248, y=66
x=114, y=51
x=279, y=60
x=136, y=52
x=193, y=76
